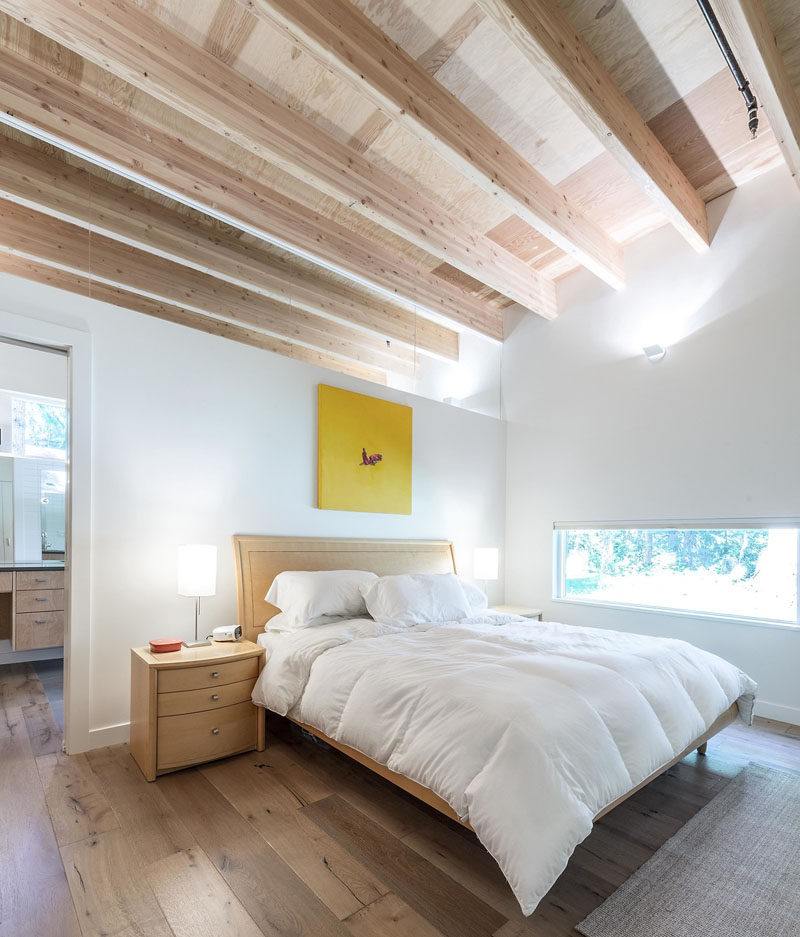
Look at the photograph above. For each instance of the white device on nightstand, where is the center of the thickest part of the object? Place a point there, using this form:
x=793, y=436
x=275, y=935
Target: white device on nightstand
x=227, y=633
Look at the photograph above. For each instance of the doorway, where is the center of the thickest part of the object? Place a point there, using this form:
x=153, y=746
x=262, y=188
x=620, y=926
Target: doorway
x=34, y=531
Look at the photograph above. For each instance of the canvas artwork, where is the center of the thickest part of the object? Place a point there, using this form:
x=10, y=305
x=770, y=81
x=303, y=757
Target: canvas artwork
x=364, y=453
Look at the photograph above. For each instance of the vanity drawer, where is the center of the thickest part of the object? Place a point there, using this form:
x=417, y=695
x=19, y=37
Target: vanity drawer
x=40, y=579
x=46, y=600
x=211, y=697
x=195, y=737
x=38, y=629
x=195, y=678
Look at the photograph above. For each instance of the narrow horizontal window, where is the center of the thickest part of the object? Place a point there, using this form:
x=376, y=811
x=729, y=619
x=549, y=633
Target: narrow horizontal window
x=738, y=572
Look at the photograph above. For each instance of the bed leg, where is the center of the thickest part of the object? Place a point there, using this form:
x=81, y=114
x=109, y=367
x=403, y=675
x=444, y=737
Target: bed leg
x=701, y=749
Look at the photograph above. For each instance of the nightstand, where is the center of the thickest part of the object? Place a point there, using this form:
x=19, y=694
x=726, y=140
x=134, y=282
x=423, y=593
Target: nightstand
x=521, y=610
x=193, y=705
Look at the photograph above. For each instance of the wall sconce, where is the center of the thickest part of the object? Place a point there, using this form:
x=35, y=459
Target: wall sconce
x=486, y=563
x=654, y=353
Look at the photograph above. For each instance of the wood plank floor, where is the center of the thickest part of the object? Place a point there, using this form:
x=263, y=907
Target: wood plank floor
x=293, y=841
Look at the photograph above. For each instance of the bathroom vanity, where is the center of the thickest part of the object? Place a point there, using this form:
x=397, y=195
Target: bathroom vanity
x=32, y=604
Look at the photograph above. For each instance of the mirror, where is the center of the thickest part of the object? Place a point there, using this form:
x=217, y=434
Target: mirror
x=33, y=478
x=53, y=513
x=32, y=510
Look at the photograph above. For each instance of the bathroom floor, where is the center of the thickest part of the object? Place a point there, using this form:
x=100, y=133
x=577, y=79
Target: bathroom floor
x=51, y=676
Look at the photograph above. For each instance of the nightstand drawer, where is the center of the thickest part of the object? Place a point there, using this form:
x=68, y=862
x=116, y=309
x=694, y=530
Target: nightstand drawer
x=194, y=678
x=38, y=629
x=195, y=701
x=40, y=579
x=46, y=600
x=195, y=737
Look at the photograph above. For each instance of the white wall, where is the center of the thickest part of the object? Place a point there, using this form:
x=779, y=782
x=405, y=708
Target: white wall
x=598, y=433
x=195, y=438
x=30, y=371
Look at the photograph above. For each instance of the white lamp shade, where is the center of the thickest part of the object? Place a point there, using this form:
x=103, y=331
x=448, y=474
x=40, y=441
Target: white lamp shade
x=197, y=569
x=486, y=563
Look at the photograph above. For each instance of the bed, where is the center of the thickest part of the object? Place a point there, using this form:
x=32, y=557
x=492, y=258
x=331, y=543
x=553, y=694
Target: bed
x=533, y=827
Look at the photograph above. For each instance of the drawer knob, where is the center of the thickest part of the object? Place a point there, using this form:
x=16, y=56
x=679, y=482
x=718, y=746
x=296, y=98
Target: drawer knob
x=40, y=621
x=215, y=696
x=42, y=579
x=215, y=673
x=40, y=599
x=215, y=731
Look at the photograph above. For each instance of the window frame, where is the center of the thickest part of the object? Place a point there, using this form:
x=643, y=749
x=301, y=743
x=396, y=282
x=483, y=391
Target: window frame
x=559, y=566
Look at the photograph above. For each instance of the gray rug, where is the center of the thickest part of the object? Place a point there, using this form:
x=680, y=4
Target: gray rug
x=732, y=871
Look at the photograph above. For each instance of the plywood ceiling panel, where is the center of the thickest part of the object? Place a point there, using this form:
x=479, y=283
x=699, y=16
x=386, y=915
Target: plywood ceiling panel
x=656, y=52
x=494, y=80
x=196, y=19
x=278, y=66
x=416, y=25
x=661, y=55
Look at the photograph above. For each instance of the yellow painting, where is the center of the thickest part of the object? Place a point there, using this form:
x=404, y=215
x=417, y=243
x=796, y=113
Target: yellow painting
x=364, y=453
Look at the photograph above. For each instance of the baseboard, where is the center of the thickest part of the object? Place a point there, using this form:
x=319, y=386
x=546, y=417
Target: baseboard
x=7, y=656
x=790, y=714
x=109, y=735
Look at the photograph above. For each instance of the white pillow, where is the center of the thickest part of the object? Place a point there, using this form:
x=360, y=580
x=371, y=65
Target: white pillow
x=414, y=598
x=282, y=622
x=310, y=598
x=476, y=597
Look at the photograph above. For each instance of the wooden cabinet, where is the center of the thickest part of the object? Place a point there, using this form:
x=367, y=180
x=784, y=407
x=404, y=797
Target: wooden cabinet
x=193, y=705
x=32, y=605
x=27, y=579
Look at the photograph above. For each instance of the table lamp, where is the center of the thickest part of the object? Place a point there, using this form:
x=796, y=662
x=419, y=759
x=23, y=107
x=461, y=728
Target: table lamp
x=486, y=564
x=197, y=576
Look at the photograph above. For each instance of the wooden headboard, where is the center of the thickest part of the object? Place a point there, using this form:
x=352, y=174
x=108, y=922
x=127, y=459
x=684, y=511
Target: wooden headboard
x=260, y=559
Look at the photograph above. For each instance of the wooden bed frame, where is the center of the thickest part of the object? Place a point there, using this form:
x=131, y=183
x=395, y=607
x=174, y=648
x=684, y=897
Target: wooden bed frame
x=260, y=559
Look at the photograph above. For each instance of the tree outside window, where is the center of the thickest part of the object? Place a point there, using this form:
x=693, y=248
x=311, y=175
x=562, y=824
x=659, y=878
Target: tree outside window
x=39, y=428
x=745, y=572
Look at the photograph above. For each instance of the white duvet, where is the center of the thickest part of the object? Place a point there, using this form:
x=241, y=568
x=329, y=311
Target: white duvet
x=526, y=729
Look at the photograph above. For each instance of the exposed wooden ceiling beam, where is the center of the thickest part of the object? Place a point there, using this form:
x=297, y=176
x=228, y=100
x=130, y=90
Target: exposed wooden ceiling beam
x=48, y=240
x=139, y=48
x=544, y=35
x=432, y=59
x=751, y=37
x=42, y=102
x=32, y=178
x=342, y=39
x=84, y=286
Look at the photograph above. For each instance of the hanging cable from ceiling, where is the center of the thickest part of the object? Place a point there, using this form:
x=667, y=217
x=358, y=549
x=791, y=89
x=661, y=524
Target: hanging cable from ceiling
x=742, y=83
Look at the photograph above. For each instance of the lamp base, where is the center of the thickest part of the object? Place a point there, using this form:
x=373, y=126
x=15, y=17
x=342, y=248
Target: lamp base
x=195, y=643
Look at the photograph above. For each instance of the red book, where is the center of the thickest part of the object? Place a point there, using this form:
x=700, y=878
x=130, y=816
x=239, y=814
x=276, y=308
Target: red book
x=162, y=645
